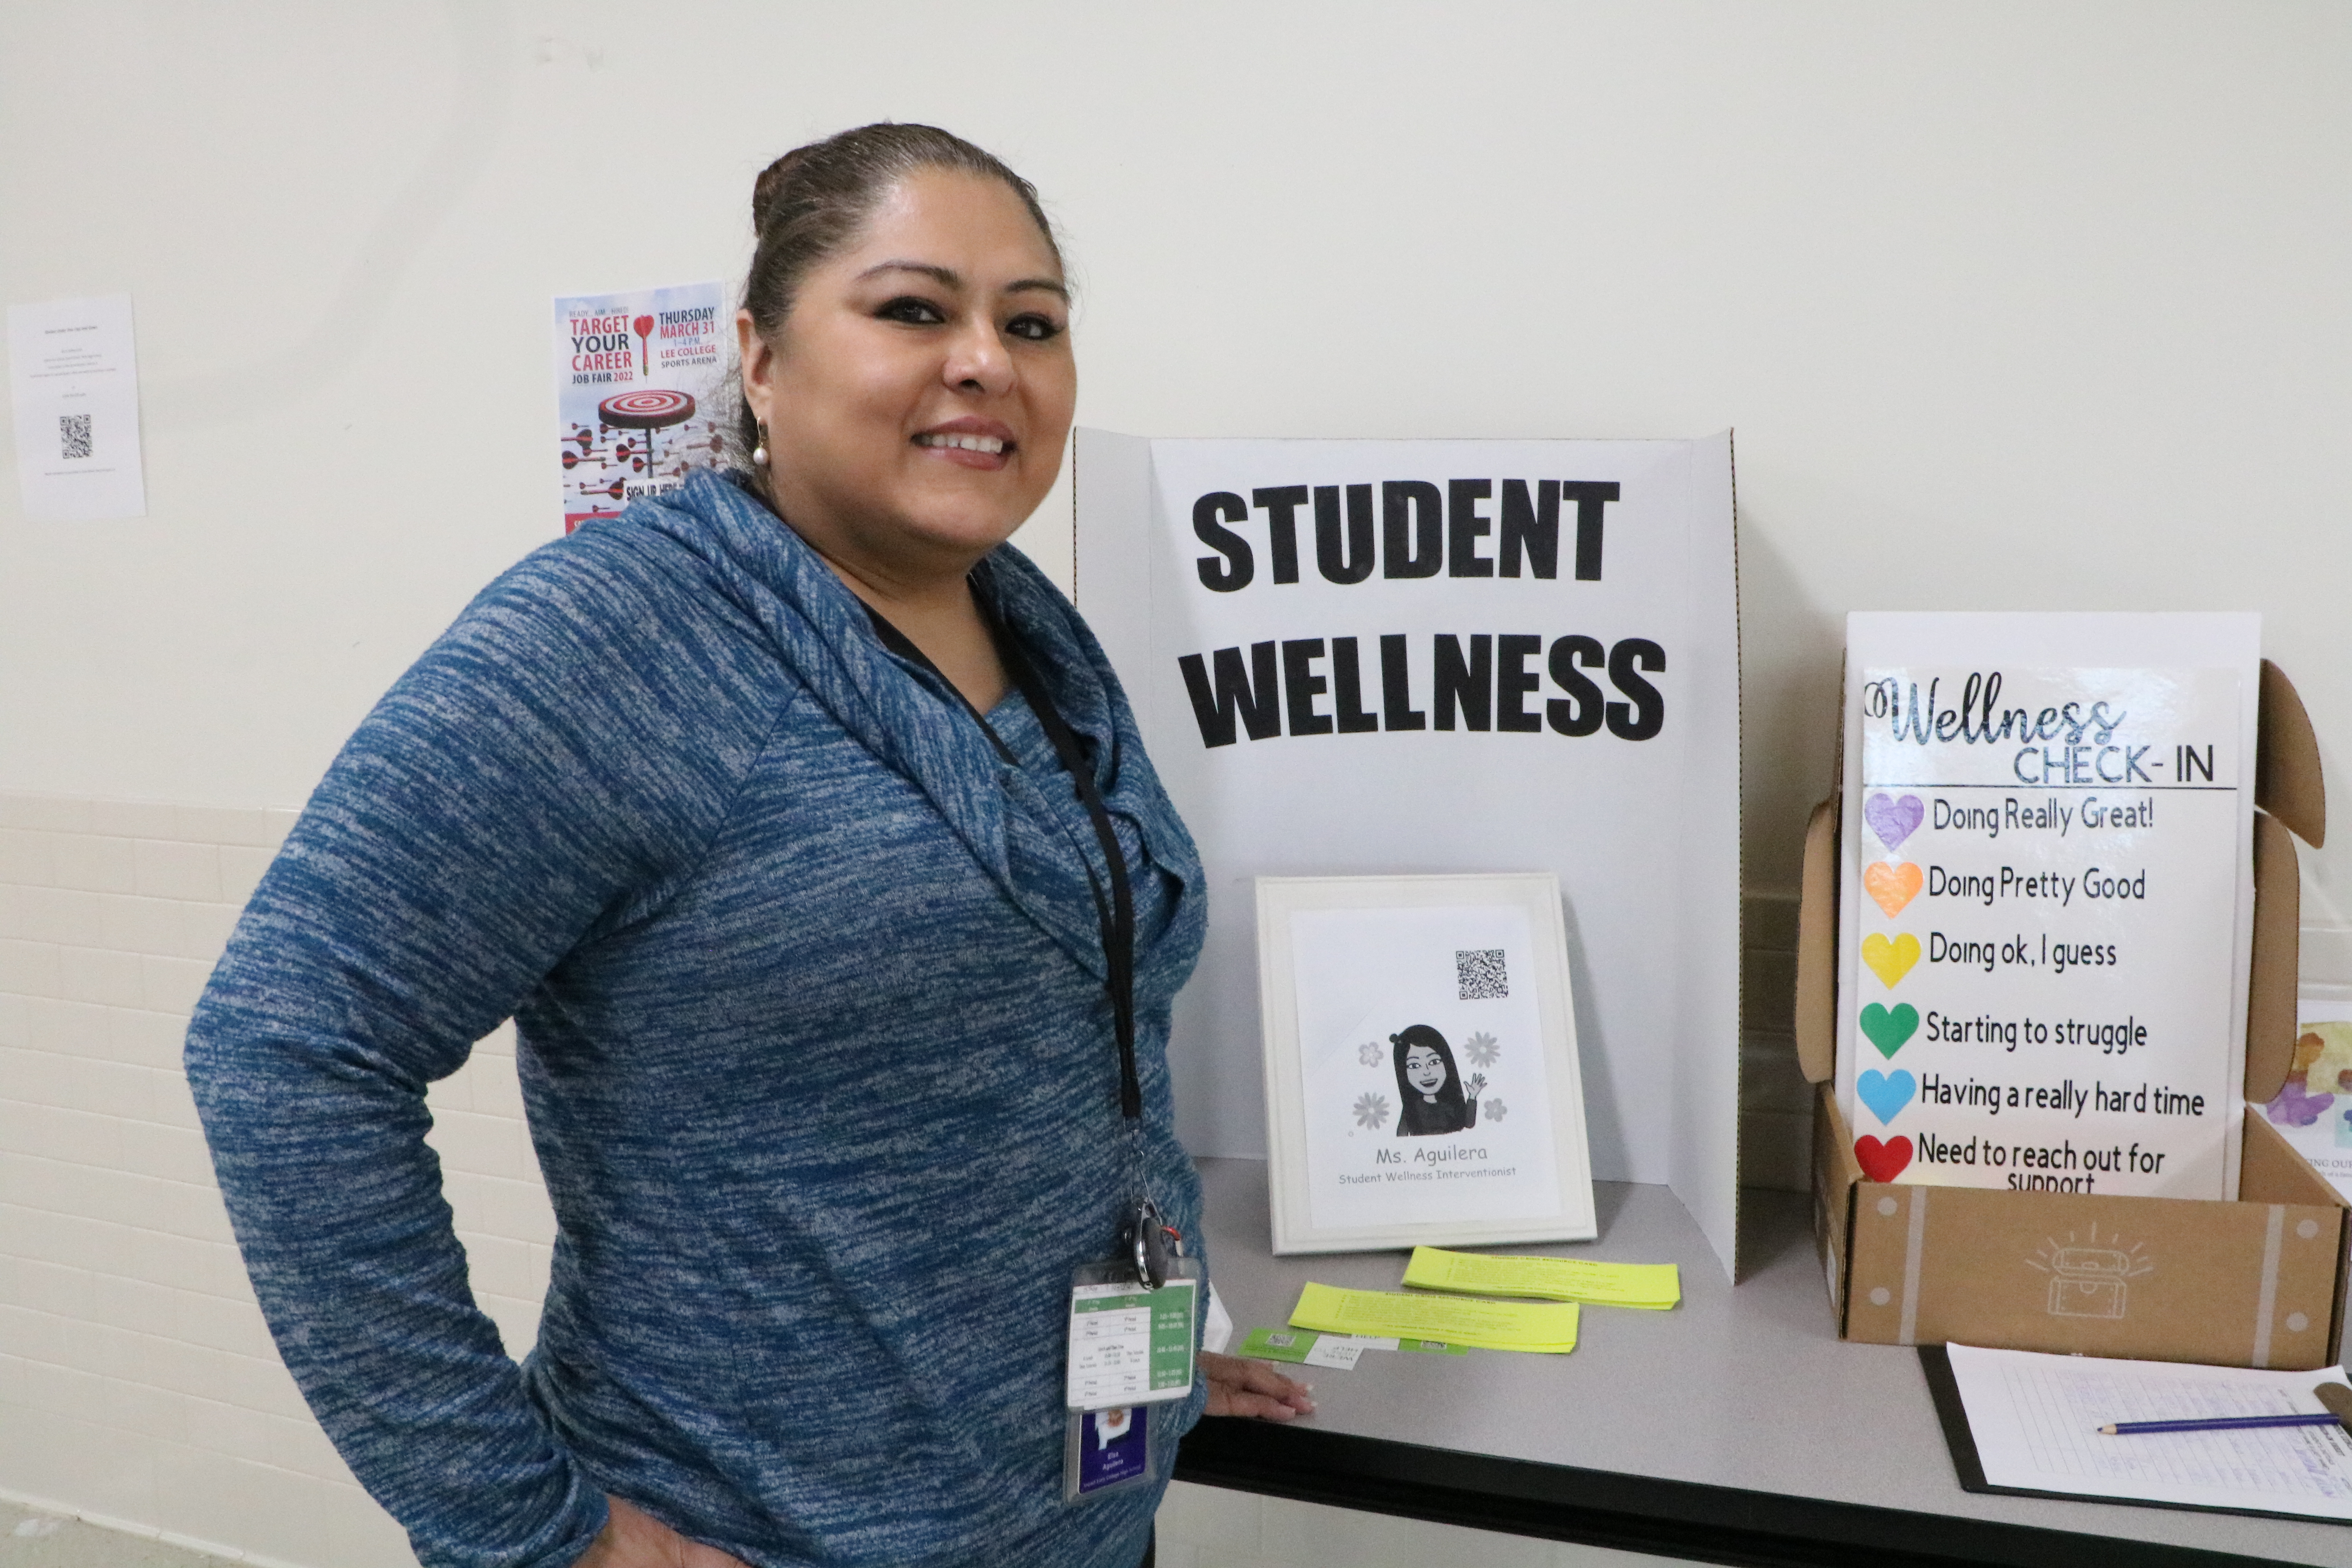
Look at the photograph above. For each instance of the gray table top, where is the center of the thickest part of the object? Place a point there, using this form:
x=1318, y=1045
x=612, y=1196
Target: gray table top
x=1744, y=1388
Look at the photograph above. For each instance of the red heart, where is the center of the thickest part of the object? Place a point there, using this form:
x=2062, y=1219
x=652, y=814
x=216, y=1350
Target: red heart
x=1881, y=1161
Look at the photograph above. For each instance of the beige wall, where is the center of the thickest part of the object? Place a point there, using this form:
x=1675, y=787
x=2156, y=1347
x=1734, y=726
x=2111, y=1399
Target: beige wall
x=2012, y=305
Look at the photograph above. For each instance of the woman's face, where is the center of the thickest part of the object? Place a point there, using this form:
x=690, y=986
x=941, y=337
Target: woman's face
x=919, y=392
x=1425, y=1069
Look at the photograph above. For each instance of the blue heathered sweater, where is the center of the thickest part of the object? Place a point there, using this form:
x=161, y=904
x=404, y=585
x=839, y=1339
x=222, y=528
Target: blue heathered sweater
x=812, y=1036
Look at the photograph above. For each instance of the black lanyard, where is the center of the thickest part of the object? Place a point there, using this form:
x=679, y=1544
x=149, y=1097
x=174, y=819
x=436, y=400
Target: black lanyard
x=1116, y=915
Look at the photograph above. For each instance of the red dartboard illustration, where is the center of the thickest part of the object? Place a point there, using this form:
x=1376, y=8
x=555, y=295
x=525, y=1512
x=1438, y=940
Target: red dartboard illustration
x=648, y=410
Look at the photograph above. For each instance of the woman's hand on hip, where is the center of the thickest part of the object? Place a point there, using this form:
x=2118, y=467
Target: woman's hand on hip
x=636, y=1539
x=1239, y=1387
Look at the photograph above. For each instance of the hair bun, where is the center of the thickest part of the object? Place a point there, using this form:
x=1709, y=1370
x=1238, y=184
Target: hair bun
x=1396, y=1039
x=768, y=188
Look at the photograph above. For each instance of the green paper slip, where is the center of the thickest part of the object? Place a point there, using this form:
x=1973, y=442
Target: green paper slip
x=1432, y=1347
x=1298, y=1345
x=1279, y=1345
x=1652, y=1285
x=1542, y=1326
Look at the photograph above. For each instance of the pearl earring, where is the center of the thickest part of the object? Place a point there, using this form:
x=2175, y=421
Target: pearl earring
x=760, y=452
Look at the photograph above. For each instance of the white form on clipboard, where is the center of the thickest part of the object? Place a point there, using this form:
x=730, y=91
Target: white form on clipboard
x=2020, y=1422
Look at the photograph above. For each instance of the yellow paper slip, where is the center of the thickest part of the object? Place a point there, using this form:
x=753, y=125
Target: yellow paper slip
x=1543, y=1326
x=1654, y=1286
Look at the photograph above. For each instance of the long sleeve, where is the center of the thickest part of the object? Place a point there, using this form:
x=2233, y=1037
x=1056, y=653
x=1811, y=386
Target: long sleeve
x=543, y=775
x=798, y=966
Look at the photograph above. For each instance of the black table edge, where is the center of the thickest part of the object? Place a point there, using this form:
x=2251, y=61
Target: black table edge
x=1634, y=1513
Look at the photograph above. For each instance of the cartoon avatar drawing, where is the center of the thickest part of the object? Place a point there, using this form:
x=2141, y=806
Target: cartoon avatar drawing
x=1435, y=1099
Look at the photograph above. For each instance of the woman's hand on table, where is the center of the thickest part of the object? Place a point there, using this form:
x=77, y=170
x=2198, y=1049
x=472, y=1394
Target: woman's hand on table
x=1239, y=1387
x=636, y=1539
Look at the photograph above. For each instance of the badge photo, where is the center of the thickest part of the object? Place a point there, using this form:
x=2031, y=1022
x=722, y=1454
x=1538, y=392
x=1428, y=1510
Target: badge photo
x=1106, y=1451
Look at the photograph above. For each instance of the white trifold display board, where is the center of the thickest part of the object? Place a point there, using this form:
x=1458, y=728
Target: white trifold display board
x=1389, y=657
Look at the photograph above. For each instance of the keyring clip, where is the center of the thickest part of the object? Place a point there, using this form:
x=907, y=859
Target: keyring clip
x=1147, y=1236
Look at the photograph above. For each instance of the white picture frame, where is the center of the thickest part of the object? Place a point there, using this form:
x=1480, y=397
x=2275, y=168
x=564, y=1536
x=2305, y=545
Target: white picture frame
x=1458, y=1118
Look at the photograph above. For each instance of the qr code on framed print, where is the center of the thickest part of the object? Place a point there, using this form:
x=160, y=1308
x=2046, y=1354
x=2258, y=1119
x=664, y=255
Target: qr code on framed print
x=1480, y=971
x=73, y=436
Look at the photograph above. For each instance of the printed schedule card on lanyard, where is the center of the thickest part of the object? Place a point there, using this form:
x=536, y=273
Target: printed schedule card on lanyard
x=2047, y=899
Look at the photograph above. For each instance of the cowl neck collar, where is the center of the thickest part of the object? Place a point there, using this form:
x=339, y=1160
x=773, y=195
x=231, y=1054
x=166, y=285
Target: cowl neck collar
x=908, y=717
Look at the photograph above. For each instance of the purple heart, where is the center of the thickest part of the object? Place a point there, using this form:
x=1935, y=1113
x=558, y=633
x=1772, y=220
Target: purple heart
x=1893, y=820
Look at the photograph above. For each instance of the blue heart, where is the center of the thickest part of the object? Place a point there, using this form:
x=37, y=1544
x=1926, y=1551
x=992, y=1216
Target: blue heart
x=1885, y=1093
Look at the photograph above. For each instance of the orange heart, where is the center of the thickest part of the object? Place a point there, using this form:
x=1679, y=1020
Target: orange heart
x=1892, y=886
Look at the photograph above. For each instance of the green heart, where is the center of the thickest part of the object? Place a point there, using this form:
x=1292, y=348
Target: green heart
x=1887, y=1030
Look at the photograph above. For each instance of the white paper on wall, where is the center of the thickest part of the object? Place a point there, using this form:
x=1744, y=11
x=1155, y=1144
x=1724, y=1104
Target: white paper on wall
x=73, y=372
x=637, y=379
x=2048, y=899
x=1359, y=657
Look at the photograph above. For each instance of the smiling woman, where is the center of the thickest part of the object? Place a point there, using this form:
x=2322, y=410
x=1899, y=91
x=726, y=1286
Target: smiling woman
x=806, y=834
x=907, y=373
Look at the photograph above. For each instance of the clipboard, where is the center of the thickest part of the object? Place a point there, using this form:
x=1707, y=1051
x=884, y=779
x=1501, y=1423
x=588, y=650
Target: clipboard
x=1959, y=1437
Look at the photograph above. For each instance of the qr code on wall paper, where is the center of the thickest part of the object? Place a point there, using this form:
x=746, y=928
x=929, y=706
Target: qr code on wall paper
x=1480, y=971
x=73, y=436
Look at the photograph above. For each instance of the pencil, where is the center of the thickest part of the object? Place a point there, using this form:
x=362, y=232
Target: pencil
x=2218, y=1424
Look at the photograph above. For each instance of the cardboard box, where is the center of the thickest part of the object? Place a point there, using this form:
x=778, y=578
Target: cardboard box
x=2257, y=1282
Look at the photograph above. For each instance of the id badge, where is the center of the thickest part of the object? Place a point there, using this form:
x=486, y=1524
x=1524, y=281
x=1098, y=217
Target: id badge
x=1106, y=1451
x=1130, y=1346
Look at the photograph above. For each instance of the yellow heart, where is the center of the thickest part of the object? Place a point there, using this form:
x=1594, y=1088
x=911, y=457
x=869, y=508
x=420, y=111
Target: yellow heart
x=1892, y=886
x=1890, y=960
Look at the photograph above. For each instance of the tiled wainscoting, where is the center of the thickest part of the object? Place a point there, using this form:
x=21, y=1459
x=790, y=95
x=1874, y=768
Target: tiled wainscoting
x=1204, y=1527
x=138, y=1384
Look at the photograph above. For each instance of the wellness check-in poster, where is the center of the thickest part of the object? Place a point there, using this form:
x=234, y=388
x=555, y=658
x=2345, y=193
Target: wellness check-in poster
x=1389, y=657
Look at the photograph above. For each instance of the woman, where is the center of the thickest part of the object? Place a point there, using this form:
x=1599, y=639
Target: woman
x=1430, y=1087
x=734, y=804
